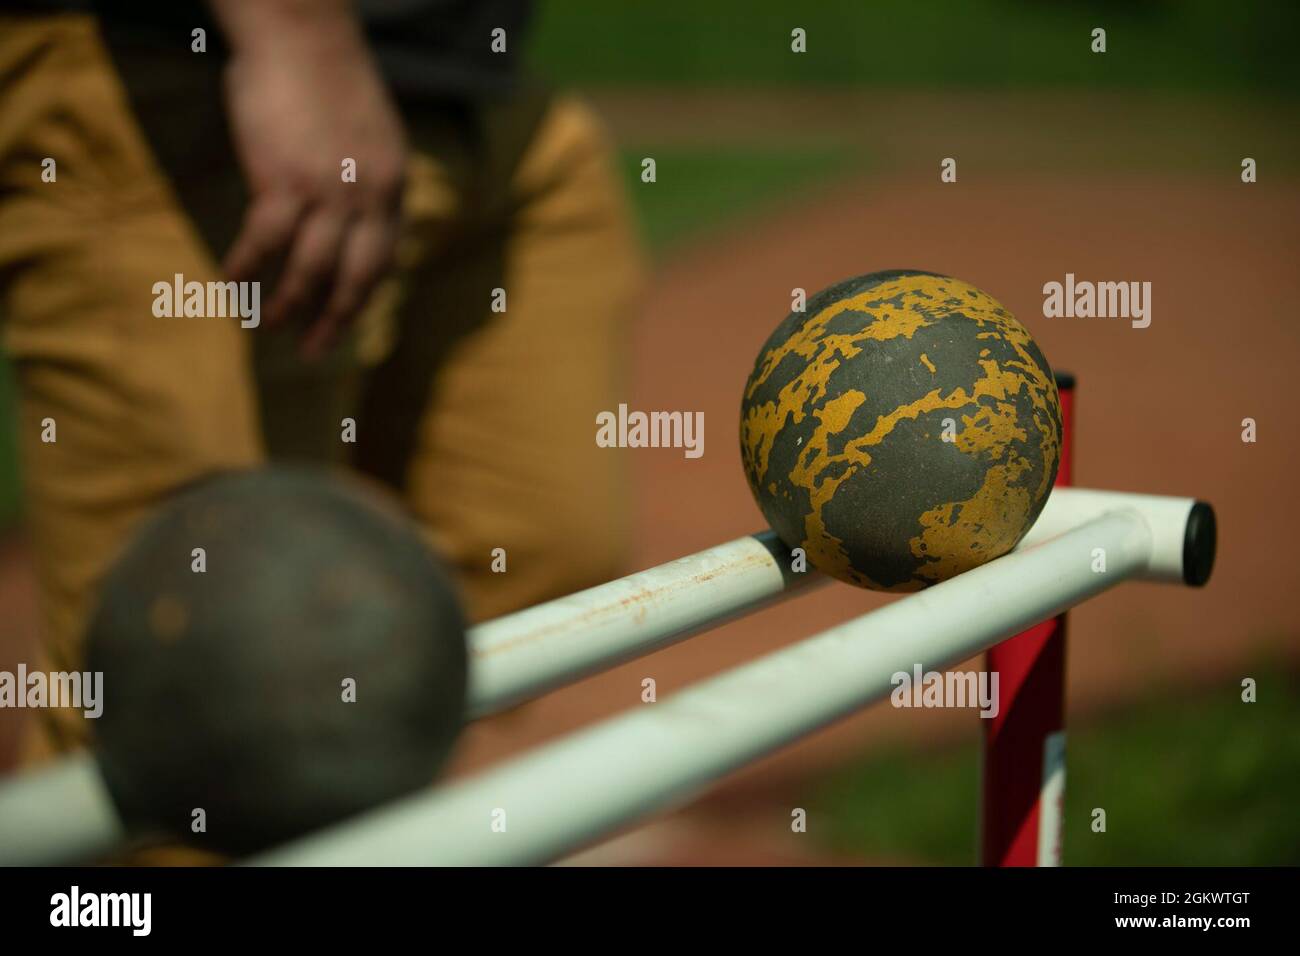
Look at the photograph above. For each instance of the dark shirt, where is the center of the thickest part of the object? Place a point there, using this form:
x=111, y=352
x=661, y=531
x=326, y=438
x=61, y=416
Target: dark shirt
x=433, y=48
x=445, y=46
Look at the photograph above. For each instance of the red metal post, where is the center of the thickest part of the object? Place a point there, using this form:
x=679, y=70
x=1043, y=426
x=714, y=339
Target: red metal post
x=1023, y=788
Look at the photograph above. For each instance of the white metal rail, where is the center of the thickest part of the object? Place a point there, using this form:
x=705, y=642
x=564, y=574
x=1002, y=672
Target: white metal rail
x=571, y=793
x=62, y=812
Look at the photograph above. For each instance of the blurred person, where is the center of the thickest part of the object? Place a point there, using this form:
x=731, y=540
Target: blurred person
x=223, y=160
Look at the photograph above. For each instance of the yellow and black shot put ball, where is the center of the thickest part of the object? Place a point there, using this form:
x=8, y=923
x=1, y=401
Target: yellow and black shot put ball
x=903, y=428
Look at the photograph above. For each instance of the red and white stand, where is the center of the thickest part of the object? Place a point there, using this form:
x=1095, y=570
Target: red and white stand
x=1023, y=788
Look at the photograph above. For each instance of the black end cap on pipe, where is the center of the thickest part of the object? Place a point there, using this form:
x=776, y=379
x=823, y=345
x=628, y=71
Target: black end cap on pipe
x=1199, y=542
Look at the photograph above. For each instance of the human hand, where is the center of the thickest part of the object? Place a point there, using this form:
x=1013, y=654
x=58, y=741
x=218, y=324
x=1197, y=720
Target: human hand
x=303, y=94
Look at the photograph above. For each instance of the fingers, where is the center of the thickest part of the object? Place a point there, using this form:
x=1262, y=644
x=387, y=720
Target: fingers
x=267, y=228
x=367, y=254
x=312, y=262
x=334, y=255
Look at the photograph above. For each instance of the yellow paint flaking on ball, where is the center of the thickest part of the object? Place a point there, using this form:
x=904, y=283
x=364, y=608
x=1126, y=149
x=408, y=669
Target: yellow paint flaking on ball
x=824, y=549
x=821, y=351
x=986, y=526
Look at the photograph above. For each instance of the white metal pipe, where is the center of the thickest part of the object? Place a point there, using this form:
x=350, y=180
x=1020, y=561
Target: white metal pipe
x=57, y=814
x=570, y=793
x=532, y=651
x=1182, y=529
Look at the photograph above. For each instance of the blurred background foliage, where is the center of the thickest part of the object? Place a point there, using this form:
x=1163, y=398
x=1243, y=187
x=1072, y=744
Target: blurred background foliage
x=1179, y=44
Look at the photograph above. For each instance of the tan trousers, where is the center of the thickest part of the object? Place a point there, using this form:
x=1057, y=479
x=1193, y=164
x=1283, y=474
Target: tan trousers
x=483, y=422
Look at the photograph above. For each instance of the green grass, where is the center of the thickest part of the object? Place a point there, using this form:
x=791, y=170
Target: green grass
x=697, y=189
x=1188, y=44
x=1196, y=779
